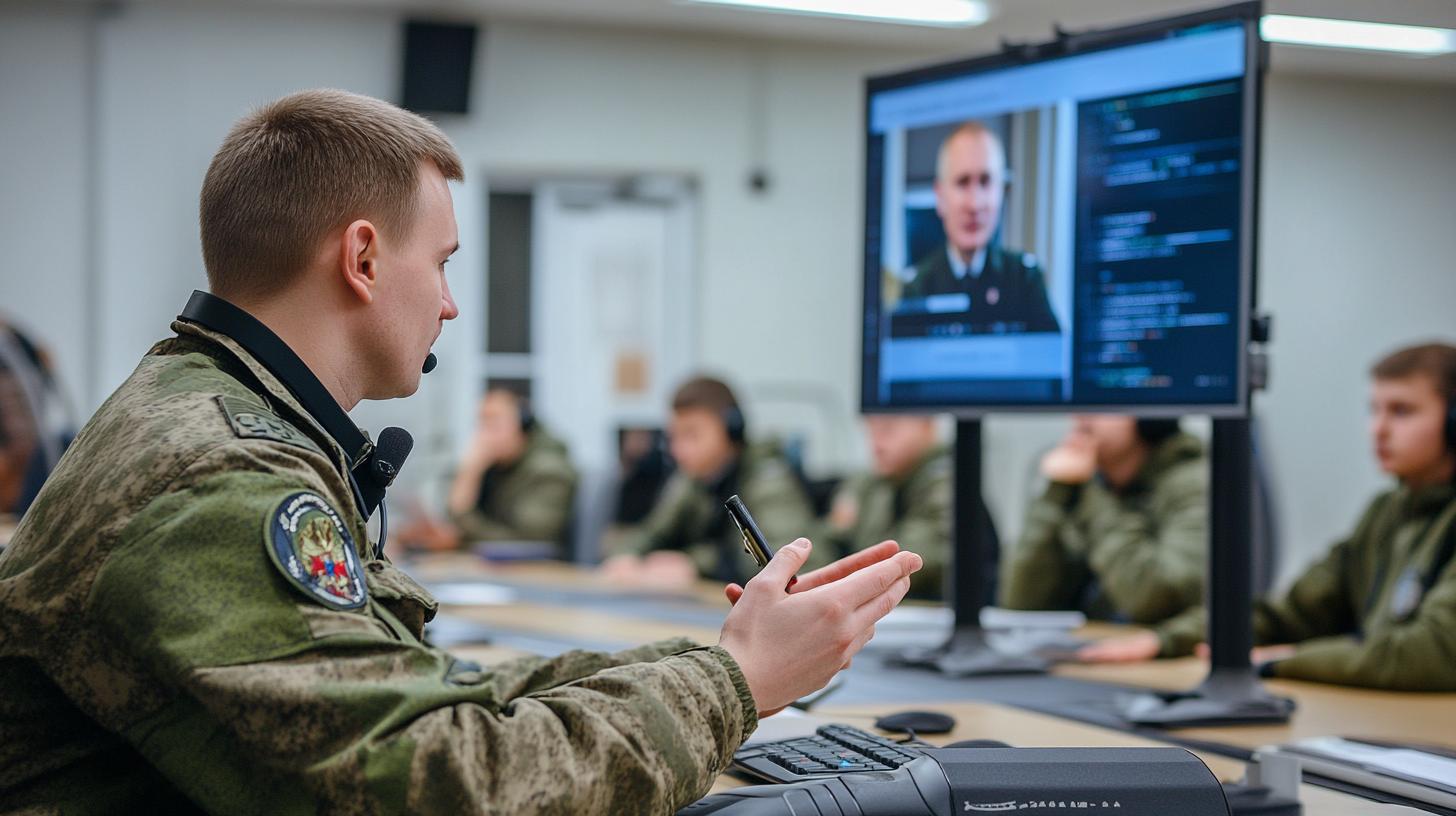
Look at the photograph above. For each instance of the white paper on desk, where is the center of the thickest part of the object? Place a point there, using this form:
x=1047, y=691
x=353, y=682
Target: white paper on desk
x=916, y=618
x=791, y=723
x=1400, y=762
x=994, y=617
x=473, y=593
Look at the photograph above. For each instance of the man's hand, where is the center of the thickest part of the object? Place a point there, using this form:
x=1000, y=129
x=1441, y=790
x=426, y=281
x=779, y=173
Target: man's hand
x=790, y=644
x=1258, y=656
x=478, y=456
x=832, y=572
x=668, y=570
x=1073, y=461
x=1127, y=649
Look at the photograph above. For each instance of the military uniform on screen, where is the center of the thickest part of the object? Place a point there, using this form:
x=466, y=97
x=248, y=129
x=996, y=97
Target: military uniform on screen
x=689, y=517
x=529, y=499
x=1378, y=610
x=191, y=619
x=1133, y=555
x=1008, y=294
x=914, y=510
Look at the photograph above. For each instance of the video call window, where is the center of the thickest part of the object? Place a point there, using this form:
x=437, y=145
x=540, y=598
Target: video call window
x=1060, y=233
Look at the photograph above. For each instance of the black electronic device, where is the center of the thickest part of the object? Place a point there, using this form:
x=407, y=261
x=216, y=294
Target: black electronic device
x=754, y=542
x=437, y=65
x=918, y=722
x=941, y=782
x=1106, y=262
x=735, y=425
x=833, y=750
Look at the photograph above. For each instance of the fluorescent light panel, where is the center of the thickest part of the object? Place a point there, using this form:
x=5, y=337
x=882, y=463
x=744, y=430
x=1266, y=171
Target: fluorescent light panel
x=947, y=13
x=1317, y=31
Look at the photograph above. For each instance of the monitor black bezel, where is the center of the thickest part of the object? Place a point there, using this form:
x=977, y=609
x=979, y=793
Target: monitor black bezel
x=1246, y=14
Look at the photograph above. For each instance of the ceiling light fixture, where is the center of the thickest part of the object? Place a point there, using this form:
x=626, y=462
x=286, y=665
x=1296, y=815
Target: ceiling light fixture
x=945, y=13
x=1318, y=31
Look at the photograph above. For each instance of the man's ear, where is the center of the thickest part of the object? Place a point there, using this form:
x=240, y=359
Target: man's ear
x=359, y=259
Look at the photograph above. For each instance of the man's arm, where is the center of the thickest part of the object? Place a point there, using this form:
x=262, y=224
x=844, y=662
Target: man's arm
x=1040, y=574
x=663, y=526
x=1416, y=655
x=279, y=702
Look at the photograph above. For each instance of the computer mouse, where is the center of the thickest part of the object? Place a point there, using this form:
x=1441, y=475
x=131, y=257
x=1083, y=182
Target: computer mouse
x=977, y=743
x=921, y=722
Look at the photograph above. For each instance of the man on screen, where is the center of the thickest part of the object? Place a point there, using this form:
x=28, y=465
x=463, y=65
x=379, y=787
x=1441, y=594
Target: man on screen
x=1007, y=289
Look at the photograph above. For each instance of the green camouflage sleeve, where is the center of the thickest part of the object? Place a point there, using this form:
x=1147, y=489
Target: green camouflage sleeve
x=1151, y=562
x=1178, y=635
x=525, y=675
x=541, y=515
x=280, y=704
x=1040, y=574
x=1415, y=655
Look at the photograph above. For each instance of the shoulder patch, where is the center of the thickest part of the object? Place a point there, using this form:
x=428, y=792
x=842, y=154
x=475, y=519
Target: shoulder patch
x=248, y=421
x=309, y=543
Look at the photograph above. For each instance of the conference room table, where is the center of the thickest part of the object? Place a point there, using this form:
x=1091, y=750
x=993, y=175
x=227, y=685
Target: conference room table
x=495, y=611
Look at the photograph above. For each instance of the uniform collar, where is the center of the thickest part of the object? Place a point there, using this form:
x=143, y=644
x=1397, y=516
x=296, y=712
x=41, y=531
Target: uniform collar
x=961, y=270
x=276, y=366
x=1426, y=501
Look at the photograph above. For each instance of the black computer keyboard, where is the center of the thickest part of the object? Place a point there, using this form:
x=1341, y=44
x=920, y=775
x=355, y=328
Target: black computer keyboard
x=833, y=750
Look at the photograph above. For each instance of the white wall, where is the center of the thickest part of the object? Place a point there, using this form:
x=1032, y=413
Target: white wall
x=43, y=126
x=1357, y=239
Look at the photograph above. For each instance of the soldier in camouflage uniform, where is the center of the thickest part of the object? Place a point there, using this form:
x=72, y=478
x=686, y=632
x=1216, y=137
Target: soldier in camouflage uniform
x=1379, y=609
x=688, y=533
x=193, y=617
x=1007, y=290
x=515, y=483
x=1121, y=532
x=905, y=498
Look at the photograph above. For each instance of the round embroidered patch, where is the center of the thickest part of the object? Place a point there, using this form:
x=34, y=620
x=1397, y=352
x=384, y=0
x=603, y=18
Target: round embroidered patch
x=308, y=541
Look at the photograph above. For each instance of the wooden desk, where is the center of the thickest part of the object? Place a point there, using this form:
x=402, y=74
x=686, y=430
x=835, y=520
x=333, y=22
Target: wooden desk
x=1323, y=709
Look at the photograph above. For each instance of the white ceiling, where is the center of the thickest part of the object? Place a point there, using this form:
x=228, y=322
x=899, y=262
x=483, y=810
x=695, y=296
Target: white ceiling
x=1017, y=20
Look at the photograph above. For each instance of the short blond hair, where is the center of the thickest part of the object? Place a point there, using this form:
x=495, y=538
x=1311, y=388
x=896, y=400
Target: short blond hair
x=294, y=170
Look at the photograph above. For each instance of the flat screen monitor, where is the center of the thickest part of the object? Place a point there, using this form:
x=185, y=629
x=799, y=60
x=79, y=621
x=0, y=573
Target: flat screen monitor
x=1066, y=227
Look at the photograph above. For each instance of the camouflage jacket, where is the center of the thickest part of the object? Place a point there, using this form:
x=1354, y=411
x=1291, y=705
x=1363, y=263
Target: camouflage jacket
x=914, y=510
x=1358, y=614
x=163, y=649
x=1138, y=554
x=527, y=500
x=689, y=516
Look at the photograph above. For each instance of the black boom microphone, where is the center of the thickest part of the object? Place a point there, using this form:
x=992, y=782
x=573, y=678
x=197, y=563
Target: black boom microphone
x=429, y=365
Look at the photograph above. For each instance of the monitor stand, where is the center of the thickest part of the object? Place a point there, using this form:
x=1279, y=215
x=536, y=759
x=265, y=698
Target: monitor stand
x=967, y=653
x=1231, y=694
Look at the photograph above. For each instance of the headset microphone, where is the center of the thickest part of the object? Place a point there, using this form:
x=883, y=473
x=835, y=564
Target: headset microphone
x=429, y=365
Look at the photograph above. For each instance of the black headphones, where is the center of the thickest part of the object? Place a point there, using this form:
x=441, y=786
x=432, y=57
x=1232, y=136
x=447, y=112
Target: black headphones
x=372, y=467
x=527, y=416
x=735, y=426
x=1450, y=430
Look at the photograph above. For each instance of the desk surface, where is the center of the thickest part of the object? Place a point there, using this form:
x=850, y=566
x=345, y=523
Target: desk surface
x=1323, y=710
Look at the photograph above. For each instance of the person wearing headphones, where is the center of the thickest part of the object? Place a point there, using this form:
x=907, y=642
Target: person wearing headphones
x=1379, y=610
x=1121, y=531
x=515, y=483
x=688, y=534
